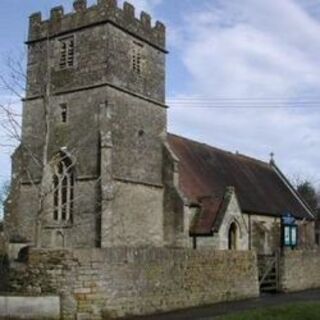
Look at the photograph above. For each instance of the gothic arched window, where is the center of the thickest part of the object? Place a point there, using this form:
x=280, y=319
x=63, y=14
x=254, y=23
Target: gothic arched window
x=63, y=184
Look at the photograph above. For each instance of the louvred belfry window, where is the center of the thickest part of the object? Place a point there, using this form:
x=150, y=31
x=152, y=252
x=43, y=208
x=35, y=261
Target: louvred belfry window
x=66, y=53
x=63, y=184
x=137, y=60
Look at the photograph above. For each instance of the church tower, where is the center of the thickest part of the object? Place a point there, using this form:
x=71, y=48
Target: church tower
x=88, y=172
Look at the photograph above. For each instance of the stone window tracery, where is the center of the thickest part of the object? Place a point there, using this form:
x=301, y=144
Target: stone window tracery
x=63, y=193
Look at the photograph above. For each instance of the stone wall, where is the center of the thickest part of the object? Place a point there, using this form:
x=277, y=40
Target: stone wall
x=126, y=281
x=306, y=235
x=136, y=218
x=20, y=213
x=265, y=233
x=299, y=270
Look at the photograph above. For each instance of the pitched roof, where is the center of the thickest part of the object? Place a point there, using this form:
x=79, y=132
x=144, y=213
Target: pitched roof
x=206, y=171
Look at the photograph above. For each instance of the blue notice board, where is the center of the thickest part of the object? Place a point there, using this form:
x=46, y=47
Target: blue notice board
x=289, y=231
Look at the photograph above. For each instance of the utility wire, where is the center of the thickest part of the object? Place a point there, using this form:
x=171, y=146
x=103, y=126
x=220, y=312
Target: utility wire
x=281, y=99
x=206, y=106
x=246, y=103
x=234, y=107
x=303, y=99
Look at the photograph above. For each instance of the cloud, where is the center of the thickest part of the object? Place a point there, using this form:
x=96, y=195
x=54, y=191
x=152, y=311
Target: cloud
x=258, y=52
x=248, y=62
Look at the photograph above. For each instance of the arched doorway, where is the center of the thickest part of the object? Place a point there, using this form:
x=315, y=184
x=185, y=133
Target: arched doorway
x=233, y=236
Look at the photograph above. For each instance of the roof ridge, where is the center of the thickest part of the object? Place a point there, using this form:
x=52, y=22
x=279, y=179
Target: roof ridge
x=201, y=143
x=250, y=158
x=236, y=155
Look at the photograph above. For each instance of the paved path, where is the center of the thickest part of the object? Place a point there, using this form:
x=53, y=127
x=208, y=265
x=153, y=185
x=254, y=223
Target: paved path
x=209, y=312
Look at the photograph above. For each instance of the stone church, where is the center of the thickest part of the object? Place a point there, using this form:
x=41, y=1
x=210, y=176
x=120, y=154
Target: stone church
x=97, y=168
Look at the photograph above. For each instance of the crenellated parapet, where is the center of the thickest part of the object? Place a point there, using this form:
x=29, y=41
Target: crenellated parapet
x=104, y=11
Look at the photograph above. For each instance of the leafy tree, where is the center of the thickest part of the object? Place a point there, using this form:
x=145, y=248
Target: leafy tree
x=310, y=195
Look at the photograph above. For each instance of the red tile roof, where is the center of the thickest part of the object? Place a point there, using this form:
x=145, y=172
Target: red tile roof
x=206, y=172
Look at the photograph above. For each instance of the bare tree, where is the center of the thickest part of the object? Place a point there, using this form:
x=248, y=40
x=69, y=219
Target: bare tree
x=13, y=82
x=4, y=192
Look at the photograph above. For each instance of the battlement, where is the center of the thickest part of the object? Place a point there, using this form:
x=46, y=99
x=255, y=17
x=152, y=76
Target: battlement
x=104, y=11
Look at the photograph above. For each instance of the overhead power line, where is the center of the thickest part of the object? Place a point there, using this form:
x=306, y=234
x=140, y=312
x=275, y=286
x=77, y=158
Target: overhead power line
x=243, y=107
x=246, y=99
x=246, y=103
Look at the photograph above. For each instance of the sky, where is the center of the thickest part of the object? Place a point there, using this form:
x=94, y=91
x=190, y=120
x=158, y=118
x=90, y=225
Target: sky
x=241, y=75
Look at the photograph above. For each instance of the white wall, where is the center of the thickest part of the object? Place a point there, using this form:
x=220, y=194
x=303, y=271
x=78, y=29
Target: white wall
x=30, y=307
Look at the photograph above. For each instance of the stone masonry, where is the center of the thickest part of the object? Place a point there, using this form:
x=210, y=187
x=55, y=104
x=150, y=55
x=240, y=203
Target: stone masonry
x=114, y=94
x=129, y=281
x=299, y=270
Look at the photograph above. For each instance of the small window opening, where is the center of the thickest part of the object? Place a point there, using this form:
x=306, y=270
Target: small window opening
x=232, y=237
x=64, y=113
x=66, y=53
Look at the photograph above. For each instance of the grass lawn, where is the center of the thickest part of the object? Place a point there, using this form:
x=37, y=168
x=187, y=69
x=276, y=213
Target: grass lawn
x=298, y=311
